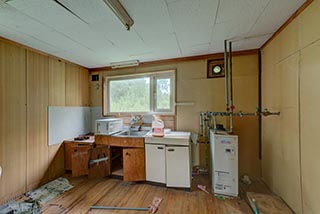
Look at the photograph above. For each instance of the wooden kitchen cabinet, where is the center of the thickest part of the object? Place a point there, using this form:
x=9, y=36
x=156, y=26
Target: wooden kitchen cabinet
x=132, y=157
x=134, y=167
x=75, y=152
x=78, y=156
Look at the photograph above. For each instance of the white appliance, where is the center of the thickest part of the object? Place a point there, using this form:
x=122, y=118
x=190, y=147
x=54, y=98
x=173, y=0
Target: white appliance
x=224, y=155
x=168, y=159
x=108, y=126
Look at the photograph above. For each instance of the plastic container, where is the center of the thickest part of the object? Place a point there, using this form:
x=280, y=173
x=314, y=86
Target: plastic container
x=157, y=127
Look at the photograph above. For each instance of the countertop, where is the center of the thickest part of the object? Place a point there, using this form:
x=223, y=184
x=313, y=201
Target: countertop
x=171, y=138
x=89, y=141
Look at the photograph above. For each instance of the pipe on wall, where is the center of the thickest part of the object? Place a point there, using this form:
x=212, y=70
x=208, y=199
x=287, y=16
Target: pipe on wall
x=226, y=73
x=231, y=88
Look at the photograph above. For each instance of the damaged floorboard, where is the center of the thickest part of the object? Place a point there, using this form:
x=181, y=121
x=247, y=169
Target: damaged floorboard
x=113, y=192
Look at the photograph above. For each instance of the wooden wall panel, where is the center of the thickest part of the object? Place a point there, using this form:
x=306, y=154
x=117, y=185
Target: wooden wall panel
x=57, y=80
x=29, y=82
x=37, y=124
x=12, y=121
x=280, y=146
x=310, y=124
x=84, y=86
x=73, y=86
x=57, y=97
x=290, y=75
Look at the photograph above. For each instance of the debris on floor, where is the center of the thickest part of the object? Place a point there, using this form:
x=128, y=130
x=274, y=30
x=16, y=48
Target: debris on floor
x=14, y=207
x=50, y=190
x=203, y=188
x=37, y=197
x=197, y=170
x=153, y=207
x=245, y=179
x=265, y=203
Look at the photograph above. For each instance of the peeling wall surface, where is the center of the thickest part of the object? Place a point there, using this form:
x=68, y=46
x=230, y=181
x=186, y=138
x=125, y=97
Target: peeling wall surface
x=290, y=84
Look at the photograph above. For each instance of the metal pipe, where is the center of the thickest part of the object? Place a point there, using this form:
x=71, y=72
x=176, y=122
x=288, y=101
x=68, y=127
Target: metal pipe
x=215, y=123
x=201, y=123
x=120, y=208
x=231, y=88
x=226, y=73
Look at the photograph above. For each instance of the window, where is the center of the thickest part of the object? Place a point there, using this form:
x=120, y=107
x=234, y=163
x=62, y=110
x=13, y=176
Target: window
x=143, y=93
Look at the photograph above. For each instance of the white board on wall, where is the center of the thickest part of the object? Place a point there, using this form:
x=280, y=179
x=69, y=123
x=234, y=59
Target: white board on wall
x=67, y=122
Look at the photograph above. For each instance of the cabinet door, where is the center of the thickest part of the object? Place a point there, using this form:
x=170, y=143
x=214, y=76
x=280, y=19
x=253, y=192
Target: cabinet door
x=134, y=167
x=156, y=163
x=80, y=160
x=178, y=167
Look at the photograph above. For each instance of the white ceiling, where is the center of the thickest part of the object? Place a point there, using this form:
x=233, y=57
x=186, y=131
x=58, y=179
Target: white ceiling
x=162, y=29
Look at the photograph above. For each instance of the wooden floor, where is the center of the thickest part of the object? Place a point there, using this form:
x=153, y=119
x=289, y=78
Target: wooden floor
x=114, y=192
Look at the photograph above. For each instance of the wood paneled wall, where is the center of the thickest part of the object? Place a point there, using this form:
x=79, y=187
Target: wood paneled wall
x=290, y=84
x=192, y=85
x=30, y=82
x=13, y=121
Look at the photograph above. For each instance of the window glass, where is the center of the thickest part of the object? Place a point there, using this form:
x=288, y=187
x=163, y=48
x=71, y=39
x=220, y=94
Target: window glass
x=129, y=95
x=141, y=93
x=163, y=93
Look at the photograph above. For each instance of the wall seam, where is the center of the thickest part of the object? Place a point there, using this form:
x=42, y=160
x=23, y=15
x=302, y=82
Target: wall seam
x=299, y=122
x=26, y=93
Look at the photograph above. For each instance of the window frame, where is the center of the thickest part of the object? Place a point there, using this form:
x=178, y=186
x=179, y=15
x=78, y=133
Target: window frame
x=171, y=74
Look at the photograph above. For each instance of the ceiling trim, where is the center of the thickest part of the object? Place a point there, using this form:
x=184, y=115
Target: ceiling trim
x=181, y=59
x=38, y=51
x=289, y=20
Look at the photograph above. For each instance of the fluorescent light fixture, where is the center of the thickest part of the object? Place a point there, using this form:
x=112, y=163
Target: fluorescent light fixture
x=120, y=12
x=124, y=64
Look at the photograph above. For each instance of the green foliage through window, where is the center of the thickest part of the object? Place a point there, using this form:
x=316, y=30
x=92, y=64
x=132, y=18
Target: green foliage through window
x=144, y=93
x=132, y=95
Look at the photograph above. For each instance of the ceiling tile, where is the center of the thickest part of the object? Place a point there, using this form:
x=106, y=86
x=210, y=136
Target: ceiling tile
x=274, y=16
x=163, y=29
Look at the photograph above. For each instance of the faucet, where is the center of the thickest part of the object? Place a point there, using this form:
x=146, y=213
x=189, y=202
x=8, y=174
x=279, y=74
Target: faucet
x=135, y=119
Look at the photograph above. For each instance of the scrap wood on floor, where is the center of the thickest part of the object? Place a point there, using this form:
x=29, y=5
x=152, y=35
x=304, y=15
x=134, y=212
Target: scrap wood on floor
x=152, y=208
x=267, y=204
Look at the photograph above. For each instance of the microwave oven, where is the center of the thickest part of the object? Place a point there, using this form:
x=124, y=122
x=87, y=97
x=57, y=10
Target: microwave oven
x=108, y=126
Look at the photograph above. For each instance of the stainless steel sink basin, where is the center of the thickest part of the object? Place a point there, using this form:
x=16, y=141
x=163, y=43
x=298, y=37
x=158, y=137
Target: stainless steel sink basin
x=132, y=133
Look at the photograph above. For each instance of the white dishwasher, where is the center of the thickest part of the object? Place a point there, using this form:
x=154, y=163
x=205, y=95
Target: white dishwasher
x=168, y=159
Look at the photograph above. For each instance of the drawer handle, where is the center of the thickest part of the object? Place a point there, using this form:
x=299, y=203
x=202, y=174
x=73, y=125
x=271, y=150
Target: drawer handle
x=127, y=153
x=170, y=150
x=160, y=147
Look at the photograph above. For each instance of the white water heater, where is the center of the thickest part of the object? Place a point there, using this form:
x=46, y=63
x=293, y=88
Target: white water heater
x=224, y=156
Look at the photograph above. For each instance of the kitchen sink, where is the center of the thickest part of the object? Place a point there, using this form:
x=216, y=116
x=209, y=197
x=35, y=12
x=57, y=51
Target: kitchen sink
x=132, y=133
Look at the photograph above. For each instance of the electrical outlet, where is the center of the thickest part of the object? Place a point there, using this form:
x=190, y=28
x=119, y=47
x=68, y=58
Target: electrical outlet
x=0, y=171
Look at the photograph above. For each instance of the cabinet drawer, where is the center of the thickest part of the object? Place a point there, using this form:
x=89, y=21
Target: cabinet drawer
x=120, y=141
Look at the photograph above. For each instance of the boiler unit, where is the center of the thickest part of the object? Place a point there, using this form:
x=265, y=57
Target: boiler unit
x=224, y=155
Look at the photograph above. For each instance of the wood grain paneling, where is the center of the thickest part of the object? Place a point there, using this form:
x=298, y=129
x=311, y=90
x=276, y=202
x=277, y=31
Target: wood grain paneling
x=84, y=86
x=310, y=123
x=13, y=121
x=56, y=83
x=73, y=86
x=134, y=165
x=290, y=84
x=119, y=141
x=37, y=123
x=114, y=192
x=29, y=82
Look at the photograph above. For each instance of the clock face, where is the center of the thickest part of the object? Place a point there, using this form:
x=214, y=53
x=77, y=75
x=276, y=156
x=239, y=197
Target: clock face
x=216, y=69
